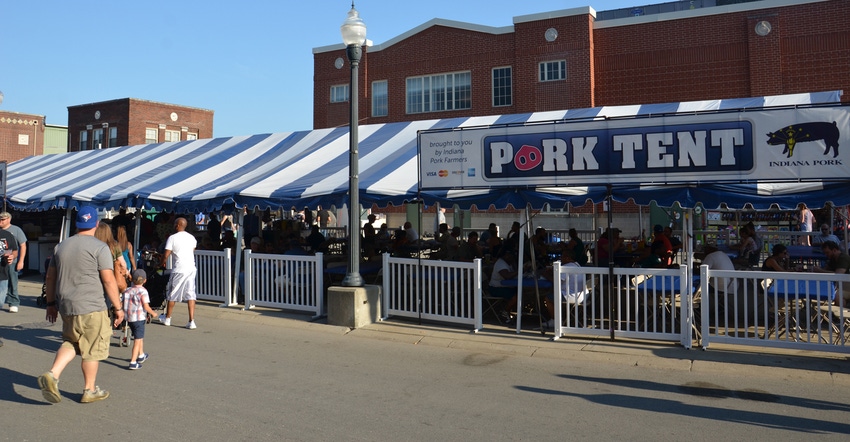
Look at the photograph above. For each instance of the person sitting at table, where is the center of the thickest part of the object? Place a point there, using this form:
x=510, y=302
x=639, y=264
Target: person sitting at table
x=573, y=287
x=655, y=259
x=675, y=243
x=837, y=262
x=315, y=239
x=824, y=236
x=410, y=231
x=746, y=248
x=575, y=247
x=493, y=242
x=541, y=247
x=505, y=268
x=401, y=247
x=718, y=260
x=618, y=245
x=470, y=249
x=442, y=238
x=666, y=246
x=778, y=261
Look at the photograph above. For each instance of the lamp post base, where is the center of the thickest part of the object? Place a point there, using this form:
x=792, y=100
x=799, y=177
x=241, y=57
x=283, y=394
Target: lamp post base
x=354, y=307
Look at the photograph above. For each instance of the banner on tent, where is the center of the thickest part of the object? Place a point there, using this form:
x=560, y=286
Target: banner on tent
x=766, y=145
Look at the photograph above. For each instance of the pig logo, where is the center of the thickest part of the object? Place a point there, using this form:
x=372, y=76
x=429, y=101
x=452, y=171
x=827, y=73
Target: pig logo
x=800, y=133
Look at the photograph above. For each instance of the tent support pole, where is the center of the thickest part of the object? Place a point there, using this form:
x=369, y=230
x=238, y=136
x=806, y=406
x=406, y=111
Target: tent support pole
x=610, y=199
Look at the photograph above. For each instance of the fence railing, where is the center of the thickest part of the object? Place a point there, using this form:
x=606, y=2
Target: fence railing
x=444, y=291
x=284, y=281
x=771, y=309
x=213, y=277
x=628, y=303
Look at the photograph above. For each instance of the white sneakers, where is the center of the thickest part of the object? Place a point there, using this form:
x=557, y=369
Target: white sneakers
x=13, y=309
x=165, y=321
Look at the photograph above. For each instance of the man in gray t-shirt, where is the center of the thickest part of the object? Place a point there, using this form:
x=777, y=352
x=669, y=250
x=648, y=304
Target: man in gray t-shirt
x=79, y=276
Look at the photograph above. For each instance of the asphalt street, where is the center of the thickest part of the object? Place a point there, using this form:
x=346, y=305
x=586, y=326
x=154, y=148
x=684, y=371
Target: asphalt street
x=269, y=375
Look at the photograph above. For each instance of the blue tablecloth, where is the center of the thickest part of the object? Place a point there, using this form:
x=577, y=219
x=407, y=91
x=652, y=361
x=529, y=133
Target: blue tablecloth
x=802, y=289
x=806, y=252
x=666, y=284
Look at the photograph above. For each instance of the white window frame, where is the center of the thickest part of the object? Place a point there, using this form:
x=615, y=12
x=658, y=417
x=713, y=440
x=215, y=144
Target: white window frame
x=339, y=93
x=113, y=137
x=191, y=136
x=439, y=92
x=380, y=99
x=97, y=139
x=555, y=70
x=500, y=89
x=84, y=140
x=172, y=135
x=151, y=131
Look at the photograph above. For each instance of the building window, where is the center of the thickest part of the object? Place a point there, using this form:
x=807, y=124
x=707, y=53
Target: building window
x=113, y=136
x=97, y=139
x=502, y=90
x=84, y=140
x=380, y=99
x=191, y=136
x=439, y=92
x=172, y=135
x=553, y=70
x=339, y=93
x=151, y=135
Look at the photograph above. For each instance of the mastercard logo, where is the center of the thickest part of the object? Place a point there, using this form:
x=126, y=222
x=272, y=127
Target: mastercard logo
x=444, y=173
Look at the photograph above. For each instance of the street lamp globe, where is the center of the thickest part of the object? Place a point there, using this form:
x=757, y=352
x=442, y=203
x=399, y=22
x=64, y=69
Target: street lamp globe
x=353, y=29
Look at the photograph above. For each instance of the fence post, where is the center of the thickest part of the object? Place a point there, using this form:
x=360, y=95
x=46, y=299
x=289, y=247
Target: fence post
x=247, y=277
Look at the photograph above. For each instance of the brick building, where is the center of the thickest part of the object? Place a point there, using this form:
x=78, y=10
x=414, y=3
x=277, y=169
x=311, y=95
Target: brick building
x=21, y=135
x=130, y=121
x=576, y=58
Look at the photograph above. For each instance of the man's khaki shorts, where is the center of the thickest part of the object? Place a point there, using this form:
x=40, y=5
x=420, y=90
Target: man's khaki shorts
x=88, y=334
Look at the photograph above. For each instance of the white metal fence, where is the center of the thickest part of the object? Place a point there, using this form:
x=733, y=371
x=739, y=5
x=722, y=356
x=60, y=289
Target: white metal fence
x=212, y=280
x=288, y=282
x=629, y=303
x=444, y=291
x=769, y=309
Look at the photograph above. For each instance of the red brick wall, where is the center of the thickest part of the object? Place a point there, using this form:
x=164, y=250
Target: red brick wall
x=132, y=117
x=705, y=57
x=12, y=126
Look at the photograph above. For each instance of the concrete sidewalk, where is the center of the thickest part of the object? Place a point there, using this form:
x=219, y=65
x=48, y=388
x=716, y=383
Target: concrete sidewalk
x=494, y=339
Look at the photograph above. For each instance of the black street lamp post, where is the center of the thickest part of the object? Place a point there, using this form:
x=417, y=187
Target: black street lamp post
x=354, y=36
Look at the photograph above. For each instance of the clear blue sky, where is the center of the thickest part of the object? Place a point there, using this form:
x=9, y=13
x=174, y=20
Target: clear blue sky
x=249, y=61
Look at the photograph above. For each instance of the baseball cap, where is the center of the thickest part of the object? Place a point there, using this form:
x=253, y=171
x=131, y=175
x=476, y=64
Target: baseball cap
x=87, y=217
x=4, y=215
x=139, y=274
x=658, y=228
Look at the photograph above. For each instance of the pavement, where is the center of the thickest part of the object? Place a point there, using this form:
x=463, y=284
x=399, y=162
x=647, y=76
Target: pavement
x=494, y=339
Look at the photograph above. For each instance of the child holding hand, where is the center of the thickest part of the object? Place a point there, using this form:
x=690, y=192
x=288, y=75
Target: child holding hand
x=137, y=307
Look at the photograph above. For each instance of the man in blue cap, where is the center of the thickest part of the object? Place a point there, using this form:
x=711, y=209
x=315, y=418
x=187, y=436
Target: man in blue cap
x=79, y=275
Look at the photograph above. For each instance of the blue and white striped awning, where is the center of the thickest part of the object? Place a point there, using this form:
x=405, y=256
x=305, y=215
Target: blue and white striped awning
x=281, y=170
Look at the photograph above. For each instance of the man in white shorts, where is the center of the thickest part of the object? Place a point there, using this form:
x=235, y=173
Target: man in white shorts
x=181, y=285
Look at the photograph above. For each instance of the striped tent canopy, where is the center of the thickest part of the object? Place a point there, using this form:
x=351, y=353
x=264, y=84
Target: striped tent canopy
x=281, y=170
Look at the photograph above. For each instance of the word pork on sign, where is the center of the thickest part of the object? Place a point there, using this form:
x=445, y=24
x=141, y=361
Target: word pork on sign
x=708, y=147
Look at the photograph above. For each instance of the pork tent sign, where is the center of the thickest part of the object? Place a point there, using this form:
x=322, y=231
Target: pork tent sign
x=777, y=145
